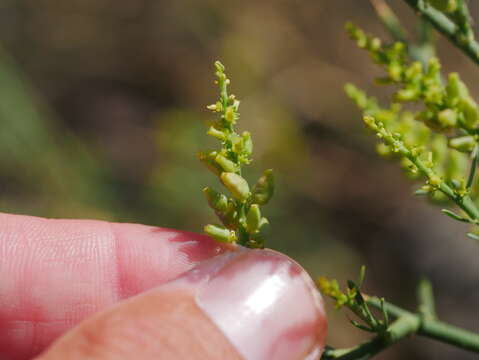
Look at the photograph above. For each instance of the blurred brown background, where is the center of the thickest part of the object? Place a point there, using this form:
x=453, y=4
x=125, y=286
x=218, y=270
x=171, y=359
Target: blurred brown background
x=102, y=109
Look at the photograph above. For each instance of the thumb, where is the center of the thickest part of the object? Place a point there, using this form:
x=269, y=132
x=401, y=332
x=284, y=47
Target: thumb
x=248, y=304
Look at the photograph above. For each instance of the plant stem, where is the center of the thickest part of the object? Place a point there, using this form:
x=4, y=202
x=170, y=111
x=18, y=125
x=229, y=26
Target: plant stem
x=450, y=334
x=406, y=324
x=434, y=328
x=402, y=327
x=426, y=300
x=389, y=20
x=464, y=202
x=425, y=48
x=463, y=18
x=447, y=27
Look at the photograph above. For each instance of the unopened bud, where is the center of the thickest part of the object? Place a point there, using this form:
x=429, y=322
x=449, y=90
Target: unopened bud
x=434, y=66
x=217, y=107
x=230, y=115
x=469, y=108
x=406, y=94
x=447, y=118
x=219, y=66
x=375, y=44
x=264, y=188
x=212, y=131
x=444, y=5
x=216, y=200
x=463, y=143
x=208, y=159
x=371, y=122
x=226, y=164
x=382, y=149
x=220, y=233
x=247, y=142
x=434, y=180
x=236, y=184
x=253, y=218
x=395, y=71
x=455, y=87
x=237, y=143
x=414, y=70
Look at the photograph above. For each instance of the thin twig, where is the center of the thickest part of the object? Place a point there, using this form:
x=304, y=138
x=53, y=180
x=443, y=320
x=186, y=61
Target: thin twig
x=426, y=300
x=389, y=20
x=447, y=27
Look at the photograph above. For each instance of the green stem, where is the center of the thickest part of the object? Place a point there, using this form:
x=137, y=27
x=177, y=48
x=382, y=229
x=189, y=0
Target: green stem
x=389, y=20
x=447, y=27
x=399, y=329
x=433, y=328
x=425, y=49
x=407, y=323
x=472, y=172
x=426, y=300
x=464, y=20
x=468, y=206
x=464, y=202
x=450, y=334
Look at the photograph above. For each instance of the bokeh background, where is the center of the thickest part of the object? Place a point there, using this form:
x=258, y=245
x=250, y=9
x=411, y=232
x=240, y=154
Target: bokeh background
x=102, y=109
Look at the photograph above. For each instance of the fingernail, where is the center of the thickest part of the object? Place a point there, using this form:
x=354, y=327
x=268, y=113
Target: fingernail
x=264, y=303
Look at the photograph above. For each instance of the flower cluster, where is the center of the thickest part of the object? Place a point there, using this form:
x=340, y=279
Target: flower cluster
x=240, y=213
x=435, y=141
x=412, y=142
x=354, y=300
x=447, y=106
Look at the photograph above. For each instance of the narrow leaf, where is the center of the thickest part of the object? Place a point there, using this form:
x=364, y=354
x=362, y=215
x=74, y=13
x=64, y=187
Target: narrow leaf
x=361, y=326
x=454, y=216
x=473, y=236
x=474, y=163
x=362, y=274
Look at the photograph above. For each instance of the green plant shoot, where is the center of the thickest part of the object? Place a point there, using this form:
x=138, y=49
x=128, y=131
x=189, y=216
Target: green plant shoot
x=240, y=213
x=440, y=140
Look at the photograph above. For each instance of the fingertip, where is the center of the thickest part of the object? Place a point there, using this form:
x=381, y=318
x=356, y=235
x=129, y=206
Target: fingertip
x=264, y=302
x=250, y=304
x=57, y=272
x=156, y=325
x=149, y=256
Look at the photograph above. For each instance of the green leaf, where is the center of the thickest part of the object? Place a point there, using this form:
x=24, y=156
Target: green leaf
x=473, y=236
x=474, y=162
x=361, y=326
x=454, y=216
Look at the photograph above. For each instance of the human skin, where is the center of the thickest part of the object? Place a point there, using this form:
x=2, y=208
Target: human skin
x=97, y=290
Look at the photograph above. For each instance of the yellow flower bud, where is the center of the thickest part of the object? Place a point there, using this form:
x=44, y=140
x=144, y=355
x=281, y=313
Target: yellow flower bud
x=220, y=233
x=236, y=184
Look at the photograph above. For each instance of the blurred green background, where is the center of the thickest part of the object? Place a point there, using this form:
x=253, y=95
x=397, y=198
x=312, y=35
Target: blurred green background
x=102, y=110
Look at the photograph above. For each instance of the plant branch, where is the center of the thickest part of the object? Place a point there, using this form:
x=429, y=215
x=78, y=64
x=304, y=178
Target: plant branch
x=389, y=20
x=406, y=324
x=463, y=40
x=433, y=328
x=426, y=300
x=399, y=329
x=465, y=202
